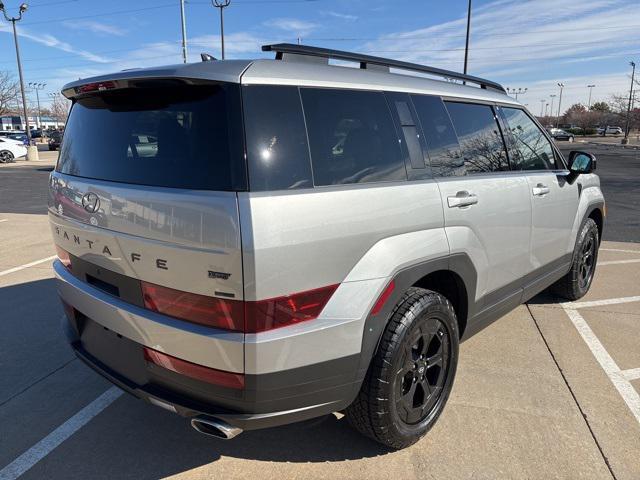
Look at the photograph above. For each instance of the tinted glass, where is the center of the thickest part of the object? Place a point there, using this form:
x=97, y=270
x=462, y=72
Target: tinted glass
x=530, y=150
x=171, y=136
x=441, y=139
x=480, y=138
x=277, y=151
x=352, y=137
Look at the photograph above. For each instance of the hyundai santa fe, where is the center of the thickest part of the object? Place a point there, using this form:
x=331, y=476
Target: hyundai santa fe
x=279, y=239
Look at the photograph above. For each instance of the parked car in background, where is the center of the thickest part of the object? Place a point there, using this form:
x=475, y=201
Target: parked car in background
x=22, y=137
x=36, y=133
x=609, y=130
x=55, y=139
x=559, y=134
x=8, y=133
x=10, y=150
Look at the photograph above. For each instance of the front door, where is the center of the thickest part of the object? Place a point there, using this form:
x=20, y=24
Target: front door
x=554, y=202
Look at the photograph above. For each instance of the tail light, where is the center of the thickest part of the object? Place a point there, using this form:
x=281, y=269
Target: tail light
x=96, y=87
x=210, y=311
x=248, y=317
x=193, y=370
x=279, y=312
x=64, y=257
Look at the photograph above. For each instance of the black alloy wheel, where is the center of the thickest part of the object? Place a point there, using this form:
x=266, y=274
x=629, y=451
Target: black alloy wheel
x=423, y=370
x=586, y=261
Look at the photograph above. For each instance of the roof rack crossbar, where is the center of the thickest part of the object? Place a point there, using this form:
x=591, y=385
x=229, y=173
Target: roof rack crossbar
x=364, y=60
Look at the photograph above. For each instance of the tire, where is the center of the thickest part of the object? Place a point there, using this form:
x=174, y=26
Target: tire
x=52, y=149
x=576, y=283
x=6, y=156
x=392, y=407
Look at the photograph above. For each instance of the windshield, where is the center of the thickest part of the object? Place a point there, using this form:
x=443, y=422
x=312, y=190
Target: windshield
x=177, y=135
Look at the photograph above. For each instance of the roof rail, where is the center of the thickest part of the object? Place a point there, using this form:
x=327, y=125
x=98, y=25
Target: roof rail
x=366, y=60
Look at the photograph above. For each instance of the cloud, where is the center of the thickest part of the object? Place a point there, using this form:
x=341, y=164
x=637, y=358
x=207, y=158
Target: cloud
x=99, y=28
x=342, y=16
x=519, y=36
x=292, y=25
x=53, y=42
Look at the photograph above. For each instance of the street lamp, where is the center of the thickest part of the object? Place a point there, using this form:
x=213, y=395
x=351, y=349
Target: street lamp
x=37, y=87
x=553, y=98
x=466, y=45
x=561, y=85
x=542, y=100
x=221, y=4
x=519, y=91
x=32, y=153
x=590, y=87
x=625, y=140
x=184, y=32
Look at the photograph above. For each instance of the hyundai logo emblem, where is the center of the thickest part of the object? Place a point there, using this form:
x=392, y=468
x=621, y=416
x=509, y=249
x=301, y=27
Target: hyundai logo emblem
x=91, y=202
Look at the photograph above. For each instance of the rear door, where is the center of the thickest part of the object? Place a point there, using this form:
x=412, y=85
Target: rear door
x=554, y=202
x=145, y=189
x=486, y=207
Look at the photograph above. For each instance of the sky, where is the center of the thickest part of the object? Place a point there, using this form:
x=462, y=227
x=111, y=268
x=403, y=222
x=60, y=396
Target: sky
x=531, y=44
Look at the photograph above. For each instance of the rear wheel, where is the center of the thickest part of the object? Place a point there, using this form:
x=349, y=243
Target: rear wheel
x=576, y=283
x=411, y=374
x=6, y=156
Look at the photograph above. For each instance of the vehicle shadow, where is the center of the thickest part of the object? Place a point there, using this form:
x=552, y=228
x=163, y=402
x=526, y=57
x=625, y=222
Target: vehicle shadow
x=130, y=438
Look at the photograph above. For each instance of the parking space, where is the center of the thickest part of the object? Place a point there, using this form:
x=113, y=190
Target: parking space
x=549, y=391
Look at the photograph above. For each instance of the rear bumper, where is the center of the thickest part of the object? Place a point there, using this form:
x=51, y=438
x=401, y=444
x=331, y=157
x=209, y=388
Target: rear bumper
x=100, y=336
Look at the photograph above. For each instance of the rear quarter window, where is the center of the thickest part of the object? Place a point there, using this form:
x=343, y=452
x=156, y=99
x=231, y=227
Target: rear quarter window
x=352, y=137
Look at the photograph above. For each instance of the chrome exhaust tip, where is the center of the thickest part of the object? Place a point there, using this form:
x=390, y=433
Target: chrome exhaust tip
x=215, y=427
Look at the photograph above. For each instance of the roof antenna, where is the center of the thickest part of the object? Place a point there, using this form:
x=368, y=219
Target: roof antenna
x=207, y=58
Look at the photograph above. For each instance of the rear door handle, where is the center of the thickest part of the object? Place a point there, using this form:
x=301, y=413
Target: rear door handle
x=540, y=190
x=462, y=199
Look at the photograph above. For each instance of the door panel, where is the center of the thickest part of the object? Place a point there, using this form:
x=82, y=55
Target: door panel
x=554, y=204
x=493, y=228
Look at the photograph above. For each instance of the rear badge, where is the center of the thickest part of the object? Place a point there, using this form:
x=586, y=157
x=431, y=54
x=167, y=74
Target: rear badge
x=219, y=275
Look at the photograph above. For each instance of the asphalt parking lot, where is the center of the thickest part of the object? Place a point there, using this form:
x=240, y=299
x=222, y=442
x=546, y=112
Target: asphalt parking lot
x=549, y=391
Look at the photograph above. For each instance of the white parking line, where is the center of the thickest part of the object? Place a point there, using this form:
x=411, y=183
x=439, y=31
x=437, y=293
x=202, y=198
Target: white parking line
x=4, y=220
x=45, y=446
x=618, y=262
x=631, y=374
x=618, y=250
x=622, y=384
x=26, y=265
x=600, y=303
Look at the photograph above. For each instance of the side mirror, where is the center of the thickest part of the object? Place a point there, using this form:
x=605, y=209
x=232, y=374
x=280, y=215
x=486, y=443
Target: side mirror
x=580, y=163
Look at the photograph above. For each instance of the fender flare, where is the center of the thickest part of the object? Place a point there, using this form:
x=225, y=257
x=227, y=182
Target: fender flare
x=374, y=325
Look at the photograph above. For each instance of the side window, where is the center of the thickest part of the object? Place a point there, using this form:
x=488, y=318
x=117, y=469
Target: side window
x=277, y=151
x=442, y=142
x=352, y=137
x=480, y=138
x=530, y=150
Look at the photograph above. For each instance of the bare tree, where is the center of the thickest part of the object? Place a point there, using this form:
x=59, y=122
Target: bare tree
x=60, y=108
x=9, y=93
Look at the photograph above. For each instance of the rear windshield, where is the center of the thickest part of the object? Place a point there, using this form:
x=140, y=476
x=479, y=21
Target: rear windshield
x=179, y=136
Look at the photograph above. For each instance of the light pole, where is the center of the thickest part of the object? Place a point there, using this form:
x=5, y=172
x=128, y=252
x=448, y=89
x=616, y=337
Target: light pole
x=184, y=32
x=519, y=91
x=546, y=110
x=553, y=98
x=466, y=45
x=542, y=100
x=32, y=153
x=561, y=85
x=37, y=87
x=590, y=87
x=221, y=4
x=625, y=140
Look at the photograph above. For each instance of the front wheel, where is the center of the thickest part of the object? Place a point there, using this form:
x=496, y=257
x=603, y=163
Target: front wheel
x=6, y=156
x=412, y=372
x=576, y=283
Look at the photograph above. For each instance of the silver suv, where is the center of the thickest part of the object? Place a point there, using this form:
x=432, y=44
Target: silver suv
x=254, y=243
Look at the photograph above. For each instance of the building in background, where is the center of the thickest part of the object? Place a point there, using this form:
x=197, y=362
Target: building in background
x=15, y=122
